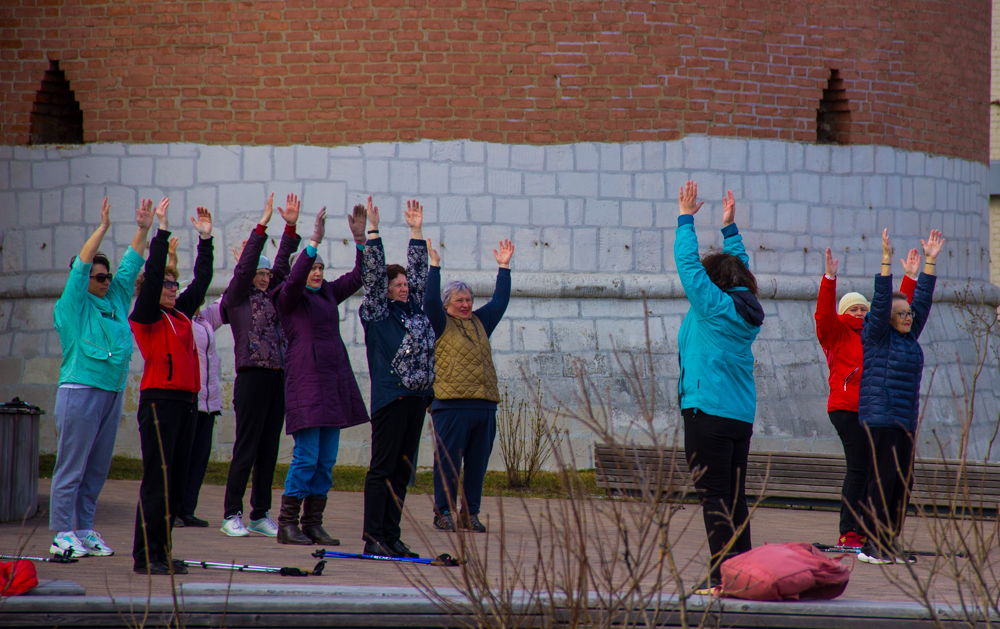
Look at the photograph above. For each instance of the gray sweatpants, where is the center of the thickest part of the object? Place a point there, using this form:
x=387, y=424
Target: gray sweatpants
x=87, y=420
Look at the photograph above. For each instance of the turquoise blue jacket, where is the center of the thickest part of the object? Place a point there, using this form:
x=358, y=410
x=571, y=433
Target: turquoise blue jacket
x=94, y=333
x=714, y=339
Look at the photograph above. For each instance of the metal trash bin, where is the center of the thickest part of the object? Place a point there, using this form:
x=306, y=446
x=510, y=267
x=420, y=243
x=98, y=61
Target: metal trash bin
x=18, y=460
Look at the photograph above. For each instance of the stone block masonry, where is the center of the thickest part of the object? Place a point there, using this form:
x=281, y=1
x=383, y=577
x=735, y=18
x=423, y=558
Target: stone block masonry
x=916, y=74
x=593, y=224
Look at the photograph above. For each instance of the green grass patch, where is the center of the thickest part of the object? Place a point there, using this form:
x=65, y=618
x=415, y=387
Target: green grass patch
x=352, y=478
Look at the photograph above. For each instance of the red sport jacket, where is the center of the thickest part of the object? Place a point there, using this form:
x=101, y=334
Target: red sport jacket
x=840, y=338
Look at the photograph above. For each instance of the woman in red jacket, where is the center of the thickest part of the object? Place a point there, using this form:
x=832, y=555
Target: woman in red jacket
x=838, y=327
x=171, y=380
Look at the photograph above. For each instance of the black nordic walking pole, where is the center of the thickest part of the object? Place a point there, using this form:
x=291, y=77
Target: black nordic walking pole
x=235, y=567
x=66, y=557
x=441, y=560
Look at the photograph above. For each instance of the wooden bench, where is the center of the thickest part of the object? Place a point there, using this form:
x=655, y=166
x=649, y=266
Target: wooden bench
x=795, y=479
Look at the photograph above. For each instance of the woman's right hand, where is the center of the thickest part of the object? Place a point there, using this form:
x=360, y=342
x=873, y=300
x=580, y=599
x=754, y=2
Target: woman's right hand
x=689, y=204
x=291, y=211
x=434, y=255
x=105, y=214
x=319, y=229
x=268, y=210
x=373, y=217
x=886, y=253
x=161, y=213
x=831, y=265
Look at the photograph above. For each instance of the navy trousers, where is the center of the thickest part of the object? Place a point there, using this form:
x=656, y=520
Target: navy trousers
x=463, y=439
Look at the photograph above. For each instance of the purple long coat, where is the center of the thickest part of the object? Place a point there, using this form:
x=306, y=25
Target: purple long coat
x=320, y=389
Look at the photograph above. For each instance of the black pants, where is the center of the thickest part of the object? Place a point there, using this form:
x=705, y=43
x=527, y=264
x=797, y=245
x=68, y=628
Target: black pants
x=888, y=485
x=720, y=446
x=201, y=452
x=177, y=421
x=259, y=402
x=857, y=454
x=395, y=438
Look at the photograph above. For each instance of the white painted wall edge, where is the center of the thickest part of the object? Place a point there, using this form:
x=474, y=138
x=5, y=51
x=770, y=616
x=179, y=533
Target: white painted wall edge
x=49, y=285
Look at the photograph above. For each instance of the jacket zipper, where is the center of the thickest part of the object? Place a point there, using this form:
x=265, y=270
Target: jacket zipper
x=849, y=376
x=170, y=367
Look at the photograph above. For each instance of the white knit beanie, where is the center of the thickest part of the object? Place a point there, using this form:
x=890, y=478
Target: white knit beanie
x=851, y=299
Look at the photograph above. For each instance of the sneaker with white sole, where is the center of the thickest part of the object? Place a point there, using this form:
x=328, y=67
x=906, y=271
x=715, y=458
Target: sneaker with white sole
x=870, y=553
x=95, y=544
x=67, y=542
x=265, y=526
x=233, y=526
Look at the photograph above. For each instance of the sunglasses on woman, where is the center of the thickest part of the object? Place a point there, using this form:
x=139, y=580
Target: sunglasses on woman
x=170, y=284
x=102, y=277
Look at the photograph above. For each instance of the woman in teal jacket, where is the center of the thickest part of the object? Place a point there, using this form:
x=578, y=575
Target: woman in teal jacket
x=91, y=317
x=718, y=398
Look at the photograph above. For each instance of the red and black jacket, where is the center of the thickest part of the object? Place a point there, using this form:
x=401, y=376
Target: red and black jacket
x=164, y=337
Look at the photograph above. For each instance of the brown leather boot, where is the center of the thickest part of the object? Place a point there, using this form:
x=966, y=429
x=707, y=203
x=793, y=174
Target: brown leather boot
x=312, y=521
x=288, y=523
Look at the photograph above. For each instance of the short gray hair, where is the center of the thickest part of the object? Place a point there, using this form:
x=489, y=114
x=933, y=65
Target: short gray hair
x=453, y=287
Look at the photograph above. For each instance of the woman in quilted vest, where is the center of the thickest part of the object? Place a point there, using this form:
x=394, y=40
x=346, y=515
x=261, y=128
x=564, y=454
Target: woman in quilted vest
x=399, y=342
x=464, y=411
x=168, y=392
x=718, y=397
x=890, y=398
x=321, y=393
x=838, y=328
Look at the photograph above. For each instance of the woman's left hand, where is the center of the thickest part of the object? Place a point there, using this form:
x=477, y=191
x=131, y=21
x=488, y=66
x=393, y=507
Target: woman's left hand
x=932, y=247
x=505, y=254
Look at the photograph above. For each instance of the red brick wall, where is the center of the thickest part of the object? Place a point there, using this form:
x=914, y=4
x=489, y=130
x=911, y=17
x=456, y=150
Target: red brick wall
x=353, y=71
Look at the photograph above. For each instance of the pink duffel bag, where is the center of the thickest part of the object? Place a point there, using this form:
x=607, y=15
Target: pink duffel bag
x=784, y=572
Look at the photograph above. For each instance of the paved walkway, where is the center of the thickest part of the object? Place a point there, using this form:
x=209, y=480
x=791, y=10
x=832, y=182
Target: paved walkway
x=116, y=516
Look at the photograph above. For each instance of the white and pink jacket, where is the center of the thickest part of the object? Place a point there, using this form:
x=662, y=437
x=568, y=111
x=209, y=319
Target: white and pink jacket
x=204, y=325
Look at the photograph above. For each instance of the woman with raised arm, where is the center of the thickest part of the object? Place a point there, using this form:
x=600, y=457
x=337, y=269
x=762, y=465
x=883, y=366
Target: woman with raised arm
x=838, y=328
x=91, y=319
x=168, y=392
x=400, y=344
x=466, y=394
x=889, y=399
x=259, y=392
x=718, y=397
x=321, y=394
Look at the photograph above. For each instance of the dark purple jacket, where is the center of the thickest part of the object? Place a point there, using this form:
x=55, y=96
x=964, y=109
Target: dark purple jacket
x=320, y=389
x=258, y=340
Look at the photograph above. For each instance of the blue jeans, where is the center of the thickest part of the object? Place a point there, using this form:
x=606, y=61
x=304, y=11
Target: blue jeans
x=463, y=437
x=87, y=421
x=313, y=458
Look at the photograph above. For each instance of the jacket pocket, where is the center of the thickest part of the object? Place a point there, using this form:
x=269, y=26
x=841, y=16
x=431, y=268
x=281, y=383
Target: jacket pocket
x=170, y=367
x=94, y=350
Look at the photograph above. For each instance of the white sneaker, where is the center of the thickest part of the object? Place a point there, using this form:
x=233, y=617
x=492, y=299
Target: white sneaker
x=67, y=544
x=96, y=545
x=233, y=526
x=265, y=526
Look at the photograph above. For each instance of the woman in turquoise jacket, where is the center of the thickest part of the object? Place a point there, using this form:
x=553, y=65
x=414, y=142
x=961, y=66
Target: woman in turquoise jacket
x=718, y=398
x=91, y=317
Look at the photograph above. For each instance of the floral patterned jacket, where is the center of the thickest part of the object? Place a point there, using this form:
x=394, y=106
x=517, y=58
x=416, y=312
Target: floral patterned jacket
x=398, y=335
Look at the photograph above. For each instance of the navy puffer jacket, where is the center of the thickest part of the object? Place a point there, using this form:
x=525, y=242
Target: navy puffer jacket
x=893, y=362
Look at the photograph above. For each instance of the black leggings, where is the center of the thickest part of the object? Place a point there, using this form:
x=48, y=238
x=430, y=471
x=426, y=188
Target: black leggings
x=858, y=455
x=720, y=446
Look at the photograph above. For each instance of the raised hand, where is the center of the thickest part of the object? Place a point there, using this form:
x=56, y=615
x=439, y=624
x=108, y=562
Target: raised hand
x=356, y=220
x=203, y=224
x=161, y=213
x=319, y=230
x=268, y=210
x=373, y=217
x=414, y=216
x=689, y=203
x=911, y=265
x=728, y=209
x=291, y=213
x=237, y=252
x=504, y=255
x=172, y=250
x=932, y=246
x=886, y=253
x=831, y=264
x=144, y=214
x=434, y=255
x=105, y=214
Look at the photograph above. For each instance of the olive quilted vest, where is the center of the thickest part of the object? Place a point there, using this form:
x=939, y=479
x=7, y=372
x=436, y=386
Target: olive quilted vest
x=465, y=368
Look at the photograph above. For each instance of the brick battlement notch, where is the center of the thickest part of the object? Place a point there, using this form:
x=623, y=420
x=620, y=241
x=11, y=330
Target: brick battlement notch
x=56, y=117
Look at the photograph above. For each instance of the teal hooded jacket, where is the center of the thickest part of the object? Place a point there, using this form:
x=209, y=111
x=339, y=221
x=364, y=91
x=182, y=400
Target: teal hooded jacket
x=716, y=335
x=94, y=332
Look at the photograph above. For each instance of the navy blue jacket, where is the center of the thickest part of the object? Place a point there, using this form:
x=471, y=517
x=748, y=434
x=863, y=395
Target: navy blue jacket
x=893, y=362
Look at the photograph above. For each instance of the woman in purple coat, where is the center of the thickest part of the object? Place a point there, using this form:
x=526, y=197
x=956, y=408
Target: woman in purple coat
x=321, y=394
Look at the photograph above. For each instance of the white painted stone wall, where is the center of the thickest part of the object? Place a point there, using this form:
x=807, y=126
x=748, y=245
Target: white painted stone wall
x=593, y=225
